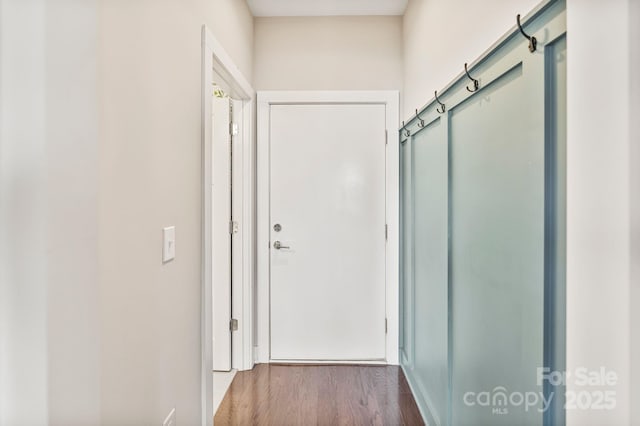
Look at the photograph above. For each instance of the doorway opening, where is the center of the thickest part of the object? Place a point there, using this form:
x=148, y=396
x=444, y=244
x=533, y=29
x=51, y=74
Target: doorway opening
x=227, y=221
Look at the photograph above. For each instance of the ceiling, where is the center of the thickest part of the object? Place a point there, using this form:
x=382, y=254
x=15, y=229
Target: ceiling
x=326, y=7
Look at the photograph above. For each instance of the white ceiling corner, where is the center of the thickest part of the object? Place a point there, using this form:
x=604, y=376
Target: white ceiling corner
x=326, y=7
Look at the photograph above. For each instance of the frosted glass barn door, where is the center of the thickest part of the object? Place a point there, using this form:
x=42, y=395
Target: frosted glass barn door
x=483, y=237
x=406, y=257
x=497, y=247
x=430, y=153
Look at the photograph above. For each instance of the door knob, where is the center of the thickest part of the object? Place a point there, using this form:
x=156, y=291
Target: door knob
x=278, y=245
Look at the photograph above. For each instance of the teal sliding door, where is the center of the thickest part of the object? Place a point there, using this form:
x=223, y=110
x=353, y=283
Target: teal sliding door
x=406, y=257
x=430, y=270
x=424, y=266
x=482, y=200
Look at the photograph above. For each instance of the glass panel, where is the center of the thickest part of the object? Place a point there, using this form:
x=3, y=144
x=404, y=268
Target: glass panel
x=430, y=156
x=406, y=256
x=497, y=249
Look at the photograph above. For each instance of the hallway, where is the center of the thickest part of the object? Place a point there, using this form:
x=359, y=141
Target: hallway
x=303, y=212
x=273, y=394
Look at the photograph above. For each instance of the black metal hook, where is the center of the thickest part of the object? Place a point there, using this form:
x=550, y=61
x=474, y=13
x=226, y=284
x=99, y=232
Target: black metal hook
x=476, y=84
x=444, y=108
x=407, y=133
x=533, y=43
x=421, y=121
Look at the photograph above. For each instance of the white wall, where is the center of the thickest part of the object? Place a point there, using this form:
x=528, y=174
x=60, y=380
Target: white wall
x=50, y=326
x=73, y=314
x=634, y=97
x=440, y=36
x=598, y=198
x=328, y=53
x=23, y=284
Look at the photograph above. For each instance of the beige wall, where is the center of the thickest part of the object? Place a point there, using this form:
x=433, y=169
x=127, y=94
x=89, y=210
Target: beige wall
x=440, y=36
x=328, y=53
x=149, y=178
x=73, y=314
x=231, y=23
x=101, y=128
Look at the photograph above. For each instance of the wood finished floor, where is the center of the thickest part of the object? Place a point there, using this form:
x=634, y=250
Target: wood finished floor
x=319, y=395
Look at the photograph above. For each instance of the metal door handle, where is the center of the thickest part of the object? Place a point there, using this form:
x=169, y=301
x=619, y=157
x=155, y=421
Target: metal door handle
x=278, y=245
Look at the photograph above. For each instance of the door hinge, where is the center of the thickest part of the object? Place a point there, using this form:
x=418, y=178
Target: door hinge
x=233, y=227
x=386, y=232
x=386, y=136
x=233, y=325
x=385, y=326
x=233, y=129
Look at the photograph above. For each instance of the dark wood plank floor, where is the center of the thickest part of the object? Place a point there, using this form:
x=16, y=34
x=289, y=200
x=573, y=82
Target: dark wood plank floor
x=319, y=395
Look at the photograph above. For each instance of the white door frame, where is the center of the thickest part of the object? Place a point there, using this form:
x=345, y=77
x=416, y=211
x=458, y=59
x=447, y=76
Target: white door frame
x=264, y=101
x=216, y=60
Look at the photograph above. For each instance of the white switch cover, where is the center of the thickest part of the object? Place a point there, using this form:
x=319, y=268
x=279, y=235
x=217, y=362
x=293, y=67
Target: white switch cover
x=169, y=243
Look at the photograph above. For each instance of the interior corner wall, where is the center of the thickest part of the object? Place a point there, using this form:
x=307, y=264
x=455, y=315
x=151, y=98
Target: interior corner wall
x=440, y=36
x=328, y=53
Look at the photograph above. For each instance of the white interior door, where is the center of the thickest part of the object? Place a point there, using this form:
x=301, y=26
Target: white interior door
x=327, y=214
x=221, y=190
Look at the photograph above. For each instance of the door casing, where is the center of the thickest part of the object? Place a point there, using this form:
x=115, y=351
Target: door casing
x=264, y=101
x=215, y=60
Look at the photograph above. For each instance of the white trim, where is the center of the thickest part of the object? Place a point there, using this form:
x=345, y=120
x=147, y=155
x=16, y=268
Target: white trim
x=206, y=303
x=224, y=65
x=215, y=58
x=237, y=238
x=391, y=100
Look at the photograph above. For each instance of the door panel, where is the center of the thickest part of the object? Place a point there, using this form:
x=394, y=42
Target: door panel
x=327, y=193
x=430, y=199
x=497, y=246
x=506, y=222
x=406, y=256
x=221, y=208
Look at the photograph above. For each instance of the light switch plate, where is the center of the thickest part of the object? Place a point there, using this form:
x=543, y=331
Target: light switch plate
x=169, y=243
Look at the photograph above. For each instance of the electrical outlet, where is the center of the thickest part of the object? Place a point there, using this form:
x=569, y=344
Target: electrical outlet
x=171, y=419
